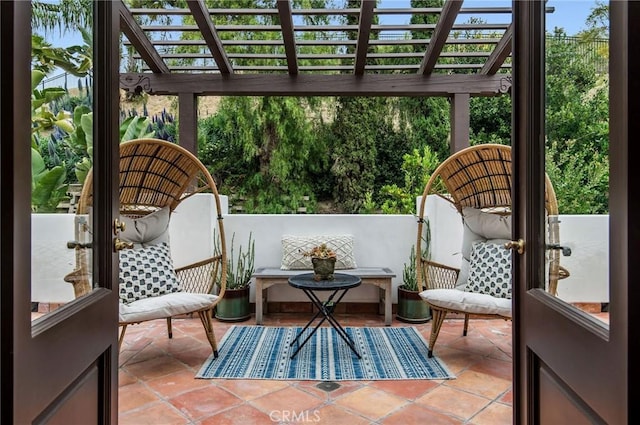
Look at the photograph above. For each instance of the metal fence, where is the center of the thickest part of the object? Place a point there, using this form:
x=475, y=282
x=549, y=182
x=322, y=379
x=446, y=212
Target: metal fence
x=592, y=52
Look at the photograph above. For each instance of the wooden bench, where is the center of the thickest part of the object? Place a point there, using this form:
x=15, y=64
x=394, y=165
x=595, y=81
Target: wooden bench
x=267, y=277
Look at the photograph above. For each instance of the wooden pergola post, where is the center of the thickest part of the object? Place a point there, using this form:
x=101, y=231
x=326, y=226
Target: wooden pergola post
x=188, y=119
x=459, y=118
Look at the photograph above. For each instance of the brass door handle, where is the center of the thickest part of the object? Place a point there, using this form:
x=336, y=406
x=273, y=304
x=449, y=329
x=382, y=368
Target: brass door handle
x=118, y=226
x=517, y=246
x=119, y=245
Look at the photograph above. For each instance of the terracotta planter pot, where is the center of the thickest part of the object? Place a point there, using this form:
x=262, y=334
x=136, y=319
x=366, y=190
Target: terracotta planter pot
x=411, y=308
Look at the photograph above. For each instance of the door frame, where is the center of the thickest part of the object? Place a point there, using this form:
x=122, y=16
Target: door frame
x=42, y=364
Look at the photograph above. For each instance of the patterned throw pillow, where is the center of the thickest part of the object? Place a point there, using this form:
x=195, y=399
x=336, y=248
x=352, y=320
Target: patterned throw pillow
x=146, y=272
x=490, y=270
x=293, y=246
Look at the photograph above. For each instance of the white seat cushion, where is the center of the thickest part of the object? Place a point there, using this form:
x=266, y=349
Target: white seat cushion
x=165, y=306
x=467, y=302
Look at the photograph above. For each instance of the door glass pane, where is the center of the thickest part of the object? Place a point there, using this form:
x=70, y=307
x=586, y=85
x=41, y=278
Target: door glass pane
x=61, y=105
x=577, y=144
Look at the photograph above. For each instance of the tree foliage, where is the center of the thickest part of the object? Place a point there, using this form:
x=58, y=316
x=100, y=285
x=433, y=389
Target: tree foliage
x=354, y=132
x=366, y=154
x=271, y=143
x=577, y=129
x=417, y=166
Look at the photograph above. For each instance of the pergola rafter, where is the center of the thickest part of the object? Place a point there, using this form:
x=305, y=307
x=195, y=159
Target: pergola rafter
x=499, y=54
x=208, y=31
x=440, y=34
x=139, y=40
x=288, y=37
x=364, y=32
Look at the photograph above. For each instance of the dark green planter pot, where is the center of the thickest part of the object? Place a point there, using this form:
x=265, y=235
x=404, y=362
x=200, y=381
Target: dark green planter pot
x=234, y=306
x=411, y=308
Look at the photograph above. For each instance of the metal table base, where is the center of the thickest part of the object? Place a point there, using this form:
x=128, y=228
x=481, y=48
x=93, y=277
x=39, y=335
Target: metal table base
x=339, y=286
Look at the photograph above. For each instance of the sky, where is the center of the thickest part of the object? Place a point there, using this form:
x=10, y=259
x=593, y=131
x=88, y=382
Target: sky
x=568, y=14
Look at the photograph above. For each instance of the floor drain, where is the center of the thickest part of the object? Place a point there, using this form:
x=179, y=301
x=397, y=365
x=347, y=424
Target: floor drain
x=328, y=386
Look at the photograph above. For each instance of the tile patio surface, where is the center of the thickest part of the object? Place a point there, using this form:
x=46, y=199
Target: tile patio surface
x=157, y=384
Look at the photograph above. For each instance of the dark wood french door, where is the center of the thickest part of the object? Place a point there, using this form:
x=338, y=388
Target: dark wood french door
x=570, y=368
x=61, y=368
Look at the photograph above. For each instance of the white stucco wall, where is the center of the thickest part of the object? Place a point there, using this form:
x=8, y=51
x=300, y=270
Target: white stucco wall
x=51, y=260
x=380, y=240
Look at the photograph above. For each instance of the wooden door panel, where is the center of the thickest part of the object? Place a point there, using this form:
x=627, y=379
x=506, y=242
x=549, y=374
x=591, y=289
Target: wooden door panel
x=78, y=404
x=557, y=403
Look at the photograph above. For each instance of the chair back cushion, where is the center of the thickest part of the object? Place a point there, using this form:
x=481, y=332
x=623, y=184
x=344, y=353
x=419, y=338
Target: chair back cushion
x=148, y=230
x=480, y=226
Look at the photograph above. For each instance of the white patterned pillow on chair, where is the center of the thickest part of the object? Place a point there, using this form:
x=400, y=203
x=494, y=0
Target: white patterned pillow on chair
x=490, y=270
x=293, y=247
x=146, y=272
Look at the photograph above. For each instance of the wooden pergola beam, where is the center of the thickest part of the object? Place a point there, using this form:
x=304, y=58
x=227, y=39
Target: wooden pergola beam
x=364, y=32
x=205, y=24
x=500, y=53
x=407, y=85
x=288, y=37
x=139, y=40
x=440, y=34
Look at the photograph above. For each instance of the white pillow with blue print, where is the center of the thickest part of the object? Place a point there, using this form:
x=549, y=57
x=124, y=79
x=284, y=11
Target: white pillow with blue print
x=490, y=270
x=146, y=272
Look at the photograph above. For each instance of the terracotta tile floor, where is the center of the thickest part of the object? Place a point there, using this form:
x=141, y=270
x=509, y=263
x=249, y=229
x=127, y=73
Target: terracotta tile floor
x=157, y=384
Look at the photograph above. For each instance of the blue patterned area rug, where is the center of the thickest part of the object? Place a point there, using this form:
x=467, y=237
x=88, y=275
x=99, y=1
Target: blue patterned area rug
x=259, y=352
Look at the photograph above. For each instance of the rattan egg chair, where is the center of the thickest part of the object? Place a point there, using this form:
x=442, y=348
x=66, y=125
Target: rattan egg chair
x=155, y=177
x=477, y=181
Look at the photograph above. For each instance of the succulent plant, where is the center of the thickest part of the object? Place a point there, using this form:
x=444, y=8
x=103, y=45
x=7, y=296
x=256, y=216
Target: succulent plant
x=320, y=251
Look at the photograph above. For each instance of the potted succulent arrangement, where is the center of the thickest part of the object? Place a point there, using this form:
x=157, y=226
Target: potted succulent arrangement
x=234, y=306
x=323, y=260
x=411, y=308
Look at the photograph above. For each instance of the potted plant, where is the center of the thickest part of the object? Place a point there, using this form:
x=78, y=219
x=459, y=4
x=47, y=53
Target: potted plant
x=234, y=305
x=411, y=308
x=323, y=260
